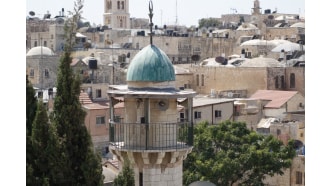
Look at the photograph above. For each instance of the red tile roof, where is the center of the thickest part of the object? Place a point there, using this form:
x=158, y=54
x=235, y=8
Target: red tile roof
x=277, y=98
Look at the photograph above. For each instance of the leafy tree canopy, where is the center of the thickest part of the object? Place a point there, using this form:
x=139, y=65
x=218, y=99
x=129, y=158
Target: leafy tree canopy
x=230, y=153
x=209, y=22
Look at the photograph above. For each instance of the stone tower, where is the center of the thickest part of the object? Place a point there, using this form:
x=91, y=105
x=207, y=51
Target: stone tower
x=116, y=14
x=151, y=135
x=256, y=8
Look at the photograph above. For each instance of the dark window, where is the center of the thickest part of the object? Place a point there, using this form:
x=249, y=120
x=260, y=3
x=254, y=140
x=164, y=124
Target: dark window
x=45, y=43
x=31, y=72
x=46, y=73
x=197, y=80
x=121, y=23
x=122, y=5
x=278, y=131
x=202, y=79
x=217, y=113
x=276, y=82
x=35, y=43
x=298, y=177
x=98, y=93
x=282, y=82
x=117, y=119
x=198, y=115
x=118, y=4
x=100, y=120
x=181, y=117
x=140, y=178
x=292, y=80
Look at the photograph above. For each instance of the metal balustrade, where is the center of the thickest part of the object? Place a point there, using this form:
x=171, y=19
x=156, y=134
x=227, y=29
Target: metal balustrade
x=152, y=136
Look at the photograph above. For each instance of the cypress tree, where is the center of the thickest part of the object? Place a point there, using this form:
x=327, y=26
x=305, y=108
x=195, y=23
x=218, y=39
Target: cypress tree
x=82, y=165
x=126, y=176
x=46, y=154
x=31, y=107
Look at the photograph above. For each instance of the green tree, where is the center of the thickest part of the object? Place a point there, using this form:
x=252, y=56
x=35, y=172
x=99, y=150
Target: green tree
x=209, y=22
x=126, y=176
x=31, y=107
x=45, y=150
x=230, y=153
x=83, y=166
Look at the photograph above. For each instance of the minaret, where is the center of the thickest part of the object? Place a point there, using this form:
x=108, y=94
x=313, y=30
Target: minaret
x=151, y=135
x=256, y=8
x=116, y=14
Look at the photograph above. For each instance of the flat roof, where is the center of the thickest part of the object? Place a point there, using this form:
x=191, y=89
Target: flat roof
x=123, y=91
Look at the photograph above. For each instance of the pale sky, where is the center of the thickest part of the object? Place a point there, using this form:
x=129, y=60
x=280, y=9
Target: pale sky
x=187, y=12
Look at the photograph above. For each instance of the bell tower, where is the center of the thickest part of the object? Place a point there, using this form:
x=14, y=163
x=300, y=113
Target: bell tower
x=116, y=14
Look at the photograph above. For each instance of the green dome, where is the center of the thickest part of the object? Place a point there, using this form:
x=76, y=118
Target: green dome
x=151, y=64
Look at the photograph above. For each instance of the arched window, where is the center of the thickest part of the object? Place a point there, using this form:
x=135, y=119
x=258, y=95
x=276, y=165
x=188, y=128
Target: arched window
x=108, y=5
x=292, y=80
x=197, y=80
x=202, y=79
x=122, y=5
x=121, y=23
x=276, y=82
x=118, y=5
x=282, y=82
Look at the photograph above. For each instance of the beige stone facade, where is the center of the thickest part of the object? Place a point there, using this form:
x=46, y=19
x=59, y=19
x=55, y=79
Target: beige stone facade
x=213, y=110
x=293, y=176
x=42, y=70
x=116, y=14
x=97, y=123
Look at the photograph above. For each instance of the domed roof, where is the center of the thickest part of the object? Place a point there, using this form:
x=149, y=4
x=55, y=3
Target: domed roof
x=151, y=64
x=261, y=62
x=247, y=26
x=299, y=25
x=40, y=50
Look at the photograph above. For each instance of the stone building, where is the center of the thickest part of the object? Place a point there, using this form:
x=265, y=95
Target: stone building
x=213, y=110
x=47, y=32
x=41, y=67
x=277, y=103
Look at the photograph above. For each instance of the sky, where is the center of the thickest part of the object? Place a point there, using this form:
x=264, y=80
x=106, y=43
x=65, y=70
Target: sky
x=184, y=12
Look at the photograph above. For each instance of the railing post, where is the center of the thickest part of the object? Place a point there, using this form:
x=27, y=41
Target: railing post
x=190, y=134
x=112, y=132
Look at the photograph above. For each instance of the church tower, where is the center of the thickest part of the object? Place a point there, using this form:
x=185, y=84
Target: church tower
x=151, y=135
x=116, y=14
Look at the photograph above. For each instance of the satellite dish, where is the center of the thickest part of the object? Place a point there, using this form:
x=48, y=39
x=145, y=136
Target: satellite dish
x=59, y=20
x=163, y=104
x=221, y=60
x=31, y=13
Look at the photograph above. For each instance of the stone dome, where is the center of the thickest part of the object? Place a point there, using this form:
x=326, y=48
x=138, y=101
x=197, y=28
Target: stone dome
x=151, y=64
x=247, y=26
x=40, y=50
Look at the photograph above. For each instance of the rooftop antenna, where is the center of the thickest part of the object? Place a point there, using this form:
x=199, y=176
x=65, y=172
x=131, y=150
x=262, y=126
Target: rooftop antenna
x=150, y=16
x=176, y=12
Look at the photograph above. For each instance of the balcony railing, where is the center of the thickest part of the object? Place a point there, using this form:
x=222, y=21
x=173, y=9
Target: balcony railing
x=152, y=136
